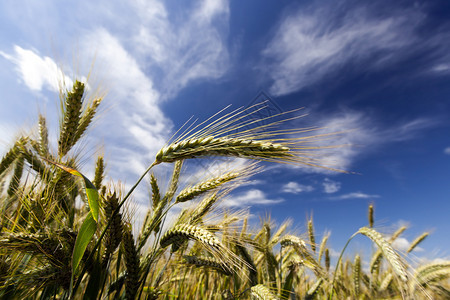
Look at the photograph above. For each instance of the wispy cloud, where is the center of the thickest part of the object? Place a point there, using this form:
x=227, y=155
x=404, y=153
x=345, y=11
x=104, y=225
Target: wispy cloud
x=447, y=150
x=249, y=198
x=296, y=188
x=358, y=134
x=314, y=43
x=331, y=186
x=183, y=49
x=355, y=195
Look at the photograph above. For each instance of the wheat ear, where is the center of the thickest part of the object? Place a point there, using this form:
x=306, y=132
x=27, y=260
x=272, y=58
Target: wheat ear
x=209, y=263
x=11, y=155
x=314, y=289
x=432, y=272
x=114, y=233
x=180, y=233
x=417, y=241
x=203, y=187
x=99, y=173
x=131, y=262
x=212, y=146
x=72, y=111
x=156, y=195
x=86, y=119
x=370, y=216
x=17, y=175
x=154, y=222
x=261, y=292
x=43, y=136
x=388, y=252
x=357, y=275
x=323, y=244
x=312, y=238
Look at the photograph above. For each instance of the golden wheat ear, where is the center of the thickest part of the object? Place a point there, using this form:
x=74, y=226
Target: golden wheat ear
x=238, y=134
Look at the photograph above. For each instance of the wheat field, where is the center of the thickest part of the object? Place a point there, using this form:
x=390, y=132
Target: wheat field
x=66, y=236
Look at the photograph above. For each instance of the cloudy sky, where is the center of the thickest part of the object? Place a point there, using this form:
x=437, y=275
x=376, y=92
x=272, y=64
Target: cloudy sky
x=378, y=71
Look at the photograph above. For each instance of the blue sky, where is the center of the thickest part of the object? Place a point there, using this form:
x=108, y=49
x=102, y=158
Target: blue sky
x=379, y=69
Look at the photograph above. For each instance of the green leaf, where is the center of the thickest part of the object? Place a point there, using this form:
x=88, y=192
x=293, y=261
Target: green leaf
x=91, y=191
x=84, y=236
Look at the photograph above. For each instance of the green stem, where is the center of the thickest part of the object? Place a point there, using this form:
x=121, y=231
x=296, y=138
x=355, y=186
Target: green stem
x=337, y=264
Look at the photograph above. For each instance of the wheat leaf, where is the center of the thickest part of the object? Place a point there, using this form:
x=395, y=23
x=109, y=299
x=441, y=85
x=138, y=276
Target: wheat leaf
x=84, y=236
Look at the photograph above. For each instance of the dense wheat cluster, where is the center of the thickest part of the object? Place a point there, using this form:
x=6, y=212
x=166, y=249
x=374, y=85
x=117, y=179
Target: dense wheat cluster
x=51, y=247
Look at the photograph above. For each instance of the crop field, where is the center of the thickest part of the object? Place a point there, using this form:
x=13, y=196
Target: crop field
x=64, y=235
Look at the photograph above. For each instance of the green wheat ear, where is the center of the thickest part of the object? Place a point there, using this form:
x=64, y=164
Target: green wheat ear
x=71, y=117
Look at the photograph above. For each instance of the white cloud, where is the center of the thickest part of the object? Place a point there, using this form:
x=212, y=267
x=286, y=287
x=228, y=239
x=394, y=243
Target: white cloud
x=295, y=188
x=311, y=44
x=355, y=195
x=251, y=197
x=447, y=150
x=331, y=186
x=135, y=128
x=38, y=72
